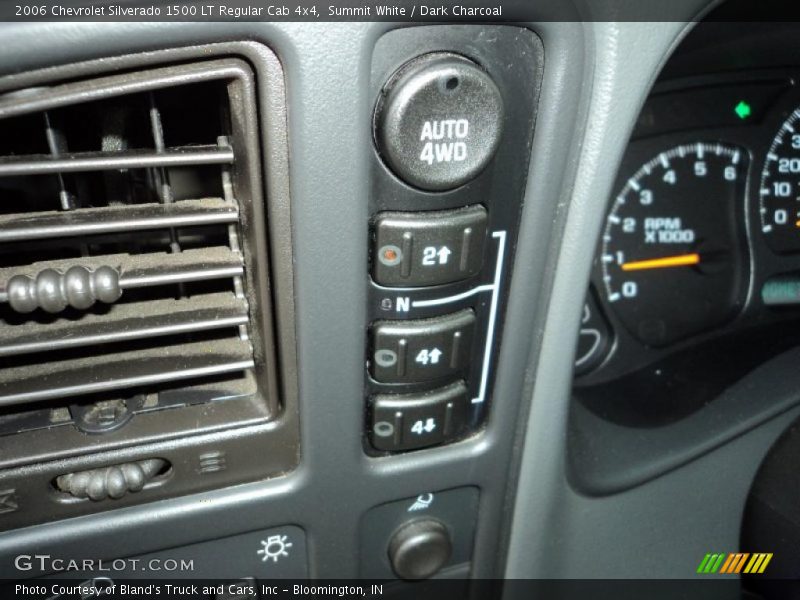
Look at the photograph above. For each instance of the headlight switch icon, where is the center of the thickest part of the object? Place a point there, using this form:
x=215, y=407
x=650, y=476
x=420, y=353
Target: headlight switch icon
x=274, y=547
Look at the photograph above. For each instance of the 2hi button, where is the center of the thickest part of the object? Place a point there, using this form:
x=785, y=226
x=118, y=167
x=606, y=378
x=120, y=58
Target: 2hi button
x=429, y=247
x=438, y=121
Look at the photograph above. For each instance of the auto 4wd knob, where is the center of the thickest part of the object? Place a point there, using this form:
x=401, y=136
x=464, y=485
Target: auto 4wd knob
x=439, y=121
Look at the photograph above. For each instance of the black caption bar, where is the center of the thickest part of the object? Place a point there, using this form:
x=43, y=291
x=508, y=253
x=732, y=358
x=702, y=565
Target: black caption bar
x=439, y=589
x=401, y=11
x=271, y=10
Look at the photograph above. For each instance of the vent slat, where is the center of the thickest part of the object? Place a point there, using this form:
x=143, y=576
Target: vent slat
x=130, y=322
x=148, y=270
x=63, y=379
x=119, y=85
x=113, y=219
x=141, y=166
x=166, y=274
x=43, y=164
x=57, y=144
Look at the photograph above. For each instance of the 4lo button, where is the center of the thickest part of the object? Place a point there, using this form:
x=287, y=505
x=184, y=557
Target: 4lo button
x=409, y=421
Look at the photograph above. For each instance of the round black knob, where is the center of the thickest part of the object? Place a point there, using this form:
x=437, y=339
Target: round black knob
x=419, y=549
x=438, y=121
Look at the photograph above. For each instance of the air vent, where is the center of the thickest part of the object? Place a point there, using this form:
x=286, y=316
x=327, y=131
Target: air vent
x=133, y=264
x=123, y=262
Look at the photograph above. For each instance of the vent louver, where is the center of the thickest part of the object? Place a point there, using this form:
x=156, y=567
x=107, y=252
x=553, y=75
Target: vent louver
x=127, y=242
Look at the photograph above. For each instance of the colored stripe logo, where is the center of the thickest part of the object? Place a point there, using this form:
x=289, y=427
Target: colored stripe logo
x=733, y=563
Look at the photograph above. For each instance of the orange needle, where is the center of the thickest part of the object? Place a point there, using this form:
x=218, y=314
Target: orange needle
x=682, y=260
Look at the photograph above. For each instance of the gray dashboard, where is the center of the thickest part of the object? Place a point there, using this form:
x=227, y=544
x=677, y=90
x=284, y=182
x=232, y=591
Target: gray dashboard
x=528, y=519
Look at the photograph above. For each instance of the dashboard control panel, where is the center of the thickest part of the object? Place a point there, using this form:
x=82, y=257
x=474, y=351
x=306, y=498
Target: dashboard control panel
x=452, y=134
x=419, y=537
x=242, y=566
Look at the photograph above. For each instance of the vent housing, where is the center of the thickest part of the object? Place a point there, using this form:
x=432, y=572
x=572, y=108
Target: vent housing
x=135, y=301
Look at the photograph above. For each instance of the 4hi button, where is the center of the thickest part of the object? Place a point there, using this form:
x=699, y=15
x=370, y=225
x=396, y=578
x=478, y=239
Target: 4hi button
x=438, y=122
x=422, y=349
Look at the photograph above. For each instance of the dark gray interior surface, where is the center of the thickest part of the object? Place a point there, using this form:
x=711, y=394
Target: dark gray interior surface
x=327, y=71
x=660, y=528
x=592, y=89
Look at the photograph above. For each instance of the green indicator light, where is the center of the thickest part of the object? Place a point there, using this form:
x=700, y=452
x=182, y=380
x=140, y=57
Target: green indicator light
x=742, y=110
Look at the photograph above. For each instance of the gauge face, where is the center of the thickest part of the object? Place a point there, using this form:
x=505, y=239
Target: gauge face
x=779, y=191
x=672, y=254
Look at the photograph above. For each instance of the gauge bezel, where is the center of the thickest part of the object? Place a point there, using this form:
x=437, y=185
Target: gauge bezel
x=788, y=107
x=627, y=354
x=737, y=282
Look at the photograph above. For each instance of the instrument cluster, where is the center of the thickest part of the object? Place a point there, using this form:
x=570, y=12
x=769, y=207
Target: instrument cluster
x=697, y=273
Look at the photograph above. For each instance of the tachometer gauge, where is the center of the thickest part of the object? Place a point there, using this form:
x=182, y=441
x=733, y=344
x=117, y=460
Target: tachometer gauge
x=779, y=191
x=672, y=254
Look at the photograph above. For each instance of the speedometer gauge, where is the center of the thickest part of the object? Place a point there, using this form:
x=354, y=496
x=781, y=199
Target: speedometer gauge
x=779, y=191
x=671, y=256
